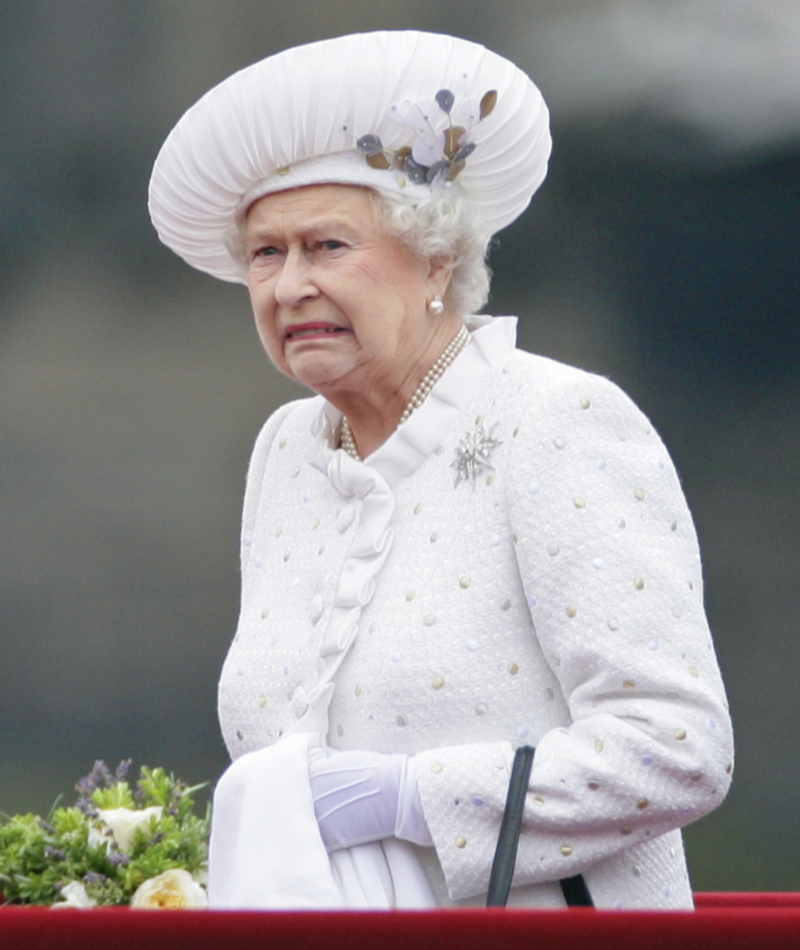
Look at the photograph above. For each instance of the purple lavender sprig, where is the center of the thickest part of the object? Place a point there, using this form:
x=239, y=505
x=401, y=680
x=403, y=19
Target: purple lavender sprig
x=100, y=777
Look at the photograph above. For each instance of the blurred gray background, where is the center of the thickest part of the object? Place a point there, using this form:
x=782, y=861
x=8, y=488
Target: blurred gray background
x=662, y=251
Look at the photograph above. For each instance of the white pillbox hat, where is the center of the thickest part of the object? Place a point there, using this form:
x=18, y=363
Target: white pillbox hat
x=403, y=112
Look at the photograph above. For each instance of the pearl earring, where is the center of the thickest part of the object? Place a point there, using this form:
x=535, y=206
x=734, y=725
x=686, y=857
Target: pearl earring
x=436, y=306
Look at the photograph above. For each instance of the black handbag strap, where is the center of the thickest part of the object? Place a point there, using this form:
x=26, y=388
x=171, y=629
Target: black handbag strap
x=574, y=889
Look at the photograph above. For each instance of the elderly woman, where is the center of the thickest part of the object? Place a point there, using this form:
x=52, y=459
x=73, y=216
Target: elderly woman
x=455, y=547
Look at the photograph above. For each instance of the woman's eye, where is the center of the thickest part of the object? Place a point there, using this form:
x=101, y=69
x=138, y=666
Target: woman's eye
x=332, y=245
x=267, y=251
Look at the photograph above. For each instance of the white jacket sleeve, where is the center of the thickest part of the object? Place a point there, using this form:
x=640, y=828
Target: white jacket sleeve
x=609, y=562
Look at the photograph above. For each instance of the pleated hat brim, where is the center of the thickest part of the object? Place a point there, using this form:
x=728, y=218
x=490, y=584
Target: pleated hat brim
x=295, y=119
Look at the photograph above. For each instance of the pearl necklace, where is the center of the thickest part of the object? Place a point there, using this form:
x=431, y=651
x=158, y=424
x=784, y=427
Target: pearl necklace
x=421, y=393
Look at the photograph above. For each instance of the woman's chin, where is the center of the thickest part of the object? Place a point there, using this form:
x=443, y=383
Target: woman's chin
x=319, y=371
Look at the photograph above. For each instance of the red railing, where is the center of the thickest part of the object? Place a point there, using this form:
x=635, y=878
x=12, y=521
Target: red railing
x=751, y=921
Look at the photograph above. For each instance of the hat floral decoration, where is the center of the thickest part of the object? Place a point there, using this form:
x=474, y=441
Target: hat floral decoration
x=439, y=154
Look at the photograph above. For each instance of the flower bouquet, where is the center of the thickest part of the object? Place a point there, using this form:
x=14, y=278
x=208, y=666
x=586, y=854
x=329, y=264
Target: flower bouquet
x=139, y=845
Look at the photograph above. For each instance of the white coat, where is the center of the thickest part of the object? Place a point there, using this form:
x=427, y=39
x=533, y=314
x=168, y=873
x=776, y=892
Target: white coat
x=516, y=564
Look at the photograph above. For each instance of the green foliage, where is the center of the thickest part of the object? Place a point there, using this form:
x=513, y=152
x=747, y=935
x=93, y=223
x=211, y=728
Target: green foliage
x=39, y=857
x=118, y=796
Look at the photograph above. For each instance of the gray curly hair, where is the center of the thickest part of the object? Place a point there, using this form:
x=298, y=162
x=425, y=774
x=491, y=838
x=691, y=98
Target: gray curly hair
x=442, y=226
x=439, y=227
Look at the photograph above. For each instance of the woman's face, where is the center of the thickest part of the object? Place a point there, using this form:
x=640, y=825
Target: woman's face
x=339, y=305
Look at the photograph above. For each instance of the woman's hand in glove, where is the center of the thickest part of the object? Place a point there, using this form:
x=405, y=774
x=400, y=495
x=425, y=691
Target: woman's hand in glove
x=365, y=796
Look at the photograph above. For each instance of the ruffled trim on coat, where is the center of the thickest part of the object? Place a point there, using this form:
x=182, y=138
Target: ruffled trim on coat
x=374, y=482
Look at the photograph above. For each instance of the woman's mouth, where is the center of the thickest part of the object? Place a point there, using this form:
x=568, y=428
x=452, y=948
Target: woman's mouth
x=309, y=331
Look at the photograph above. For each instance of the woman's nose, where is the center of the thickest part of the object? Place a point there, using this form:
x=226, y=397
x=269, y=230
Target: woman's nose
x=294, y=281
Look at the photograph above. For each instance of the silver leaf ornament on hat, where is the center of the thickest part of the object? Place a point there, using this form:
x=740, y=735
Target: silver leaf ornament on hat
x=403, y=112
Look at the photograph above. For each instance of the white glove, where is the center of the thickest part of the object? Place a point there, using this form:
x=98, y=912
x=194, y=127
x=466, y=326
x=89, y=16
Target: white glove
x=365, y=796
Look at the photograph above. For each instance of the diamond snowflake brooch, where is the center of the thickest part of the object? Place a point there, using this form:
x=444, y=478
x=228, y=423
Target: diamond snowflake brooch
x=473, y=453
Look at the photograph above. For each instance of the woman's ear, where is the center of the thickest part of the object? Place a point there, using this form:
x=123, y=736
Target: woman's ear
x=440, y=270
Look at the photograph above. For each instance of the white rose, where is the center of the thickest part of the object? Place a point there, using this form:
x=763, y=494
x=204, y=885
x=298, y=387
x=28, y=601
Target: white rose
x=74, y=895
x=98, y=836
x=172, y=890
x=123, y=822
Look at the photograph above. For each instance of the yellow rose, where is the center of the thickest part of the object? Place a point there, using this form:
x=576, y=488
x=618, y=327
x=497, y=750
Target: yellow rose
x=173, y=890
